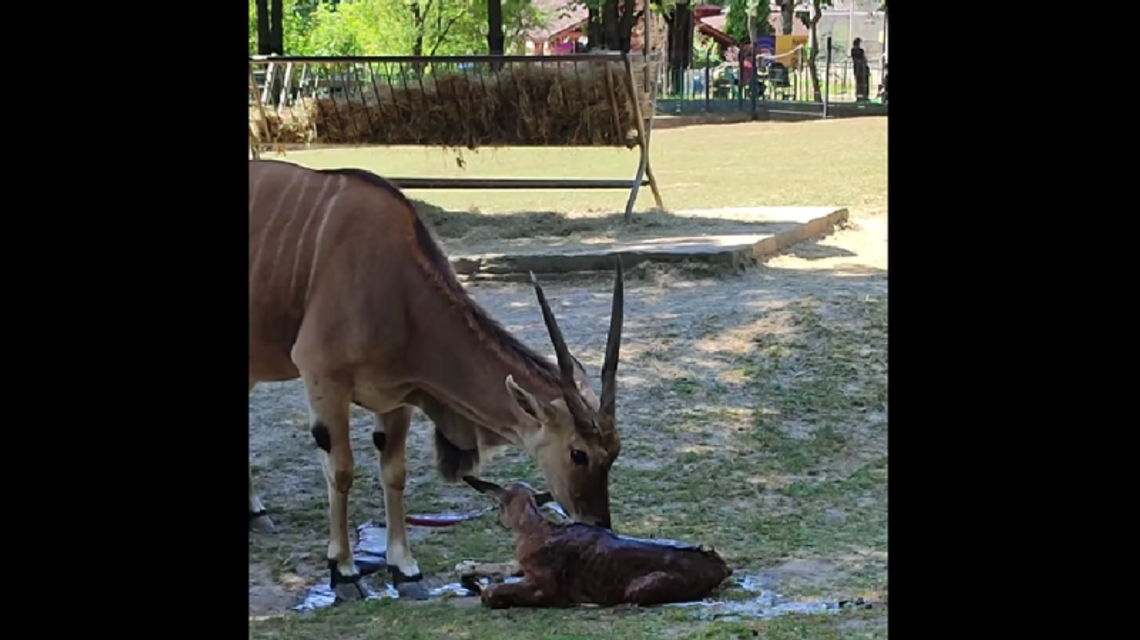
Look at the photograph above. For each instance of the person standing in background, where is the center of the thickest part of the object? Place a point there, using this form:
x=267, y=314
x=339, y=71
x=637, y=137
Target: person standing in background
x=883, y=86
x=862, y=70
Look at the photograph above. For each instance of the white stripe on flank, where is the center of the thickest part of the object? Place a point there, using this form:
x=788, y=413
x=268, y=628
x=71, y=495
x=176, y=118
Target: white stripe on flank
x=289, y=223
x=268, y=225
x=253, y=191
x=305, y=233
x=320, y=233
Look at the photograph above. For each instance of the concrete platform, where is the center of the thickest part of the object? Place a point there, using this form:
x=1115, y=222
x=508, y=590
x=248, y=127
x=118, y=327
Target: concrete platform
x=760, y=232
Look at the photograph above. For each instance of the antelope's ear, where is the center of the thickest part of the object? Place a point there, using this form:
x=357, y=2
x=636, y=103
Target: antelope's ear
x=484, y=487
x=582, y=382
x=534, y=407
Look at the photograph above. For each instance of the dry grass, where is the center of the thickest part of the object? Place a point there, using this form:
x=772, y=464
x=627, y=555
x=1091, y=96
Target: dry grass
x=524, y=105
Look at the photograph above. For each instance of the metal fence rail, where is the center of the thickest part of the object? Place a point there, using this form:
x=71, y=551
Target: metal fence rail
x=584, y=100
x=729, y=87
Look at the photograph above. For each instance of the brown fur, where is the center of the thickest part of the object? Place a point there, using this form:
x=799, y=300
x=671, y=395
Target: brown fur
x=350, y=291
x=438, y=270
x=567, y=564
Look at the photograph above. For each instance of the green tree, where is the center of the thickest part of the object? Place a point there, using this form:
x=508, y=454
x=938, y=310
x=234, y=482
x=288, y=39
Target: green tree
x=737, y=20
x=394, y=27
x=811, y=21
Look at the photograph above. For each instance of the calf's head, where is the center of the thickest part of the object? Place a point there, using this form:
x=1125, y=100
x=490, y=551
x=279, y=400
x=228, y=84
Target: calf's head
x=514, y=500
x=576, y=440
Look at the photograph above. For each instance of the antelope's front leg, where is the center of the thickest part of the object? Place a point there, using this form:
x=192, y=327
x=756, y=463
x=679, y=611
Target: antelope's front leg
x=329, y=413
x=258, y=515
x=389, y=436
x=517, y=594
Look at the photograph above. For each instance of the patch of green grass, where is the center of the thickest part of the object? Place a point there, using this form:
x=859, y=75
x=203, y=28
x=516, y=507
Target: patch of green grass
x=793, y=469
x=696, y=167
x=806, y=477
x=803, y=479
x=387, y=620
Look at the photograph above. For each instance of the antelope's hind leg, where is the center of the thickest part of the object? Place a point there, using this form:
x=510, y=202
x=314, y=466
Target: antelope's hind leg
x=258, y=516
x=659, y=587
x=389, y=436
x=329, y=402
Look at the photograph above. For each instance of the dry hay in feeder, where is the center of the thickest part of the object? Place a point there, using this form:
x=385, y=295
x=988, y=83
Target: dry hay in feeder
x=523, y=105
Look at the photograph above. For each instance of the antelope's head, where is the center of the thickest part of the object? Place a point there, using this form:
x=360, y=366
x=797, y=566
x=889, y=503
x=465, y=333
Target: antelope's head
x=576, y=441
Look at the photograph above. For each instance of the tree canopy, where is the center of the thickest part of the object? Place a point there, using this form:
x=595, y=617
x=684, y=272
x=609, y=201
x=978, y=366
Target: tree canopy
x=393, y=27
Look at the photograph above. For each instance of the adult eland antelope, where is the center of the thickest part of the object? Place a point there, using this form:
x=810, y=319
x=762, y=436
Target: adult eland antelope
x=349, y=291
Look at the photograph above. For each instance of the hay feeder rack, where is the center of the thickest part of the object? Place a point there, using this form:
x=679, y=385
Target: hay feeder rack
x=583, y=100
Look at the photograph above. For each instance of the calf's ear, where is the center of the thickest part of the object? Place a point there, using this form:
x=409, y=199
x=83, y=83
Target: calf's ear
x=484, y=487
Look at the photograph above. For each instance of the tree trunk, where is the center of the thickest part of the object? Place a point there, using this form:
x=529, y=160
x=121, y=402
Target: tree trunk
x=594, y=37
x=752, y=10
x=495, y=39
x=418, y=19
x=817, y=13
x=680, y=42
x=787, y=16
x=276, y=26
x=264, y=35
x=610, y=24
x=625, y=27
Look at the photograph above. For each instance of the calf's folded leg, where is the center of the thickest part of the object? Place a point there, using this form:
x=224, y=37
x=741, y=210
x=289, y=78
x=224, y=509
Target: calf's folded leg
x=517, y=594
x=660, y=587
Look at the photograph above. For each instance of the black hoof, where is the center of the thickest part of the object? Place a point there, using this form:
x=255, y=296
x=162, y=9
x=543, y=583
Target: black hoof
x=259, y=521
x=346, y=588
x=472, y=584
x=409, y=587
x=398, y=578
x=413, y=591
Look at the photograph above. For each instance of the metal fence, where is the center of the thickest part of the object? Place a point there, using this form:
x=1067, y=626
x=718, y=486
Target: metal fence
x=582, y=100
x=730, y=87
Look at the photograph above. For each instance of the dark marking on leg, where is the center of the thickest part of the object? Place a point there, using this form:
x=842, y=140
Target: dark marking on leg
x=336, y=577
x=258, y=514
x=399, y=578
x=379, y=439
x=347, y=588
x=322, y=436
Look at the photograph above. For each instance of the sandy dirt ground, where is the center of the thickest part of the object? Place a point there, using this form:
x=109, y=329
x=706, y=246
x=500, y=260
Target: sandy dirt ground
x=675, y=324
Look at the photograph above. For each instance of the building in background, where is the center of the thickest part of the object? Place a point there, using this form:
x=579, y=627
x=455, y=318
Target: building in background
x=844, y=21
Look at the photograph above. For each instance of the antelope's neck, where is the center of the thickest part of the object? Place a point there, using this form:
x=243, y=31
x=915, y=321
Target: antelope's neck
x=530, y=527
x=468, y=370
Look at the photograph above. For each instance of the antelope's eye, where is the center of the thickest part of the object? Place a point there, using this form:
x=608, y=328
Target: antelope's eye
x=579, y=457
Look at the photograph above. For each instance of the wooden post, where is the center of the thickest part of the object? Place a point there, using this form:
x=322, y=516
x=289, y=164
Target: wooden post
x=260, y=107
x=643, y=169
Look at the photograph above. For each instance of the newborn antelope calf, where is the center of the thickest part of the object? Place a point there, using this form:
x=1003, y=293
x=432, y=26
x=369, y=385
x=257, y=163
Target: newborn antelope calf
x=566, y=564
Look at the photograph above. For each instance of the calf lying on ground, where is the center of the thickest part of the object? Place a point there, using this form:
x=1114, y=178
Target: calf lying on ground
x=566, y=564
